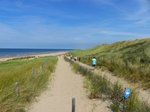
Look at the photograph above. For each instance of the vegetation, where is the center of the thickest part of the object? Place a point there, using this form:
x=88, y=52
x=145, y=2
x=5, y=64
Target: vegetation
x=128, y=59
x=99, y=87
x=22, y=80
x=24, y=57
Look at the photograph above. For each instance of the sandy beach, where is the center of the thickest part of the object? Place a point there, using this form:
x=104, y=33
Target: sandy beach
x=33, y=55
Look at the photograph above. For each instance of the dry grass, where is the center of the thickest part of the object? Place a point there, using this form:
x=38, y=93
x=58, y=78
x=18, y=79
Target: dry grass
x=128, y=59
x=99, y=87
x=32, y=76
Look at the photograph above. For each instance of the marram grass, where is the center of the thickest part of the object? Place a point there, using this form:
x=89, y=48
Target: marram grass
x=127, y=59
x=99, y=87
x=29, y=84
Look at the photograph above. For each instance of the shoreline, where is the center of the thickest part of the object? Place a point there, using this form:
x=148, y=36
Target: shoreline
x=34, y=55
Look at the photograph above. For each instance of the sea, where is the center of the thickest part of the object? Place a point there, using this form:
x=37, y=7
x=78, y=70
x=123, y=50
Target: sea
x=24, y=52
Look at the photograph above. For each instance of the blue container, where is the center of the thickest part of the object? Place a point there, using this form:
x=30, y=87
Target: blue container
x=127, y=93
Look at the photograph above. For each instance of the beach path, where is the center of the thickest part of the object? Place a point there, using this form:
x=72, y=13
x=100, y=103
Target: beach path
x=65, y=86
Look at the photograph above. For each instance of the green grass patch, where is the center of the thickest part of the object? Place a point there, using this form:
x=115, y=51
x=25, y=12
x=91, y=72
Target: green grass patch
x=30, y=83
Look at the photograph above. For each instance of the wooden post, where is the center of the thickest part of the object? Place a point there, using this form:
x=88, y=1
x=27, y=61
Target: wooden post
x=42, y=67
x=126, y=64
x=17, y=89
x=33, y=71
x=123, y=105
x=73, y=104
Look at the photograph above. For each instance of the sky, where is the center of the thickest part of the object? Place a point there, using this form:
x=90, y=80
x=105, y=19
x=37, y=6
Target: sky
x=71, y=24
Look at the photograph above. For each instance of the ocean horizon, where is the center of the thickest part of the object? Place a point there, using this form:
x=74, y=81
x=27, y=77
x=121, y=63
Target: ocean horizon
x=18, y=52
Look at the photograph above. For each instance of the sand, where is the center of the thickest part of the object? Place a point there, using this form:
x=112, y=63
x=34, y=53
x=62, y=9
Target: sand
x=36, y=55
x=65, y=86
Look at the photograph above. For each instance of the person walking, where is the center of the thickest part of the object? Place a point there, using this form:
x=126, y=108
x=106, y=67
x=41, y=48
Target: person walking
x=94, y=61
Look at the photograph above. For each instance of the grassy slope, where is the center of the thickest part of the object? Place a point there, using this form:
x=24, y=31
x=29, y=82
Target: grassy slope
x=128, y=59
x=29, y=85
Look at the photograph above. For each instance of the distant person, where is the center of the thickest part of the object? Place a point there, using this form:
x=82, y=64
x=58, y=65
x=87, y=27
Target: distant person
x=79, y=58
x=71, y=57
x=75, y=58
x=94, y=62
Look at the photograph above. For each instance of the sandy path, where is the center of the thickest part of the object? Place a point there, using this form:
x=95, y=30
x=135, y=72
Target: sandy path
x=66, y=85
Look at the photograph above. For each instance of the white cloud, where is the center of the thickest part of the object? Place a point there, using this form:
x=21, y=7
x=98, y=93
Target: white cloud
x=40, y=35
x=142, y=14
x=138, y=13
x=7, y=32
x=104, y=2
x=120, y=33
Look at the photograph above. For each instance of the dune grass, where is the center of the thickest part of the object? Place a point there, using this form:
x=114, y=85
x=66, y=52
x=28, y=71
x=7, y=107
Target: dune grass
x=99, y=87
x=128, y=59
x=32, y=77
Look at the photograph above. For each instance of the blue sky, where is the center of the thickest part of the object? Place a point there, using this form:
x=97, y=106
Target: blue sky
x=71, y=23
